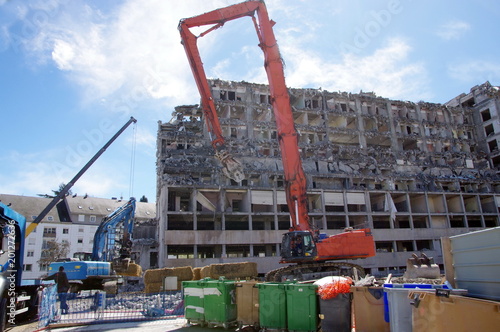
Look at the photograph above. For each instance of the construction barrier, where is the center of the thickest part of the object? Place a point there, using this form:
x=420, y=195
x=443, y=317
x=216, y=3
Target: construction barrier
x=441, y=311
x=368, y=307
x=95, y=307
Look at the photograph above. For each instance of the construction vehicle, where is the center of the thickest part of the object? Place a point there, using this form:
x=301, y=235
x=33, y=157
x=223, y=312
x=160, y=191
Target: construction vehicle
x=20, y=297
x=312, y=252
x=110, y=257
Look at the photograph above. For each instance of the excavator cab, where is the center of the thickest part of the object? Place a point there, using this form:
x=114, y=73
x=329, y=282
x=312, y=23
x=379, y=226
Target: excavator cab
x=298, y=246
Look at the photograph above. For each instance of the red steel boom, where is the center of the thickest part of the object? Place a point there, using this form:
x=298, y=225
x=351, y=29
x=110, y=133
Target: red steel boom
x=301, y=244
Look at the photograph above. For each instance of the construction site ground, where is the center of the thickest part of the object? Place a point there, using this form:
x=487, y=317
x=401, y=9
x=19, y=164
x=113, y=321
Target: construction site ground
x=177, y=324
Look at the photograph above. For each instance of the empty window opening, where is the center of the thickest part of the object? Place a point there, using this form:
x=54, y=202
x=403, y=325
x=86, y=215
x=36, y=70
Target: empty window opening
x=468, y=103
x=457, y=222
x=384, y=246
x=404, y=246
x=235, y=223
x=209, y=251
x=486, y=115
x=420, y=222
x=490, y=221
x=489, y=130
x=423, y=245
x=334, y=222
x=180, y=251
x=493, y=145
x=180, y=223
x=474, y=222
x=381, y=222
x=235, y=251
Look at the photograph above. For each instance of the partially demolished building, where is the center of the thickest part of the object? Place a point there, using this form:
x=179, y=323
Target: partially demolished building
x=412, y=172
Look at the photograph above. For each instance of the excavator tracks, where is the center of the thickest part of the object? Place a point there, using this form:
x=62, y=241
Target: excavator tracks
x=310, y=271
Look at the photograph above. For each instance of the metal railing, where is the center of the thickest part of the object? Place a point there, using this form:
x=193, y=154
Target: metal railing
x=94, y=307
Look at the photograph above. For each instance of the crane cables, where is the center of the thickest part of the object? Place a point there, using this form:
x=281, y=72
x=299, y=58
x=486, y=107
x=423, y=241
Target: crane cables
x=132, y=162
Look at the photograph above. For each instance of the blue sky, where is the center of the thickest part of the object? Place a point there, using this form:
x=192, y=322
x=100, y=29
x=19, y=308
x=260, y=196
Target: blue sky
x=73, y=72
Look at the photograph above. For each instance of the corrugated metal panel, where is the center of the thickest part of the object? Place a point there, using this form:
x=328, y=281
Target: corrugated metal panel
x=476, y=259
x=262, y=197
x=334, y=199
x=356, y=198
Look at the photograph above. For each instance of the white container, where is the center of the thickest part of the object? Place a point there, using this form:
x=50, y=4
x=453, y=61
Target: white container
x=476, y=260
x=400, y=310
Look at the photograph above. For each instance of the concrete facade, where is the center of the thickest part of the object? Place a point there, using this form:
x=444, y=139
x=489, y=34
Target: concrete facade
x=412, y=172
x=75, y=220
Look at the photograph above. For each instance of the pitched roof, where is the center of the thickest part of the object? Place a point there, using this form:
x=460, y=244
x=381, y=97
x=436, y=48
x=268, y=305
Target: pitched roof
x=30, y=206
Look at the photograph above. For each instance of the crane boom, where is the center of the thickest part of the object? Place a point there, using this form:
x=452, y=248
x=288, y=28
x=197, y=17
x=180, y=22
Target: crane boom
x=70, y=184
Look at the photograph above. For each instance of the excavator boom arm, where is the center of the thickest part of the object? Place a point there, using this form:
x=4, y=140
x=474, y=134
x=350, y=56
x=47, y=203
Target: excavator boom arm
x=114, y=234
x=295, y=181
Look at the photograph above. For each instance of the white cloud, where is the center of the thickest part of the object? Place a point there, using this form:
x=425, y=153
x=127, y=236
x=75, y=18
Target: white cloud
x=453, y=30
x=40, y=173
x=475, y=71
x=135, y=55
x=136, y=49
x=144, y=139
x=386, y=71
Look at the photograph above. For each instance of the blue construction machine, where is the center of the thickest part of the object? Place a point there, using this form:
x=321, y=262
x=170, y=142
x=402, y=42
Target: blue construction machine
x=20, y=297
x=110, y=256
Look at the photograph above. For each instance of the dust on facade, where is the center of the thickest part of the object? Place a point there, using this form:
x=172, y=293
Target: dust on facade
x=412, y=172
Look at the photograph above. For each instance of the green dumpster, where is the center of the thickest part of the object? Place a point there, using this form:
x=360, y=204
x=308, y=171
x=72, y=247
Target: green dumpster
x=220, y=303
x=302, y=307
x=272, y=305
x=194, y=310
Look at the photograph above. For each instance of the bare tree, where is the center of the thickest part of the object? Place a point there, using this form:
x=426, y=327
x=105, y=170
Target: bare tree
x=56, y=192
x=53, y=250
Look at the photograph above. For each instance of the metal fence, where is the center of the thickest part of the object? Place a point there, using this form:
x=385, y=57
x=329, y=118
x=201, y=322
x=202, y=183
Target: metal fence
x=92, y=307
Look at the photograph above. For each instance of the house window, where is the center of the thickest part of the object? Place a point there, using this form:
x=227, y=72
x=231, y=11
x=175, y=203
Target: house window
x=30, y=253
x=65, y=230
x=50, y=218
x=81, y=217
x=31, y=241
x=80, y=240
x=80, y=230
x=44, y=267
x=93, y=218
x=49, y=232
x=27, y=267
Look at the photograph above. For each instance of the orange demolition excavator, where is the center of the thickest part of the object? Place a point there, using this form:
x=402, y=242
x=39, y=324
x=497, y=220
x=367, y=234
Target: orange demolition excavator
x=315, y=254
